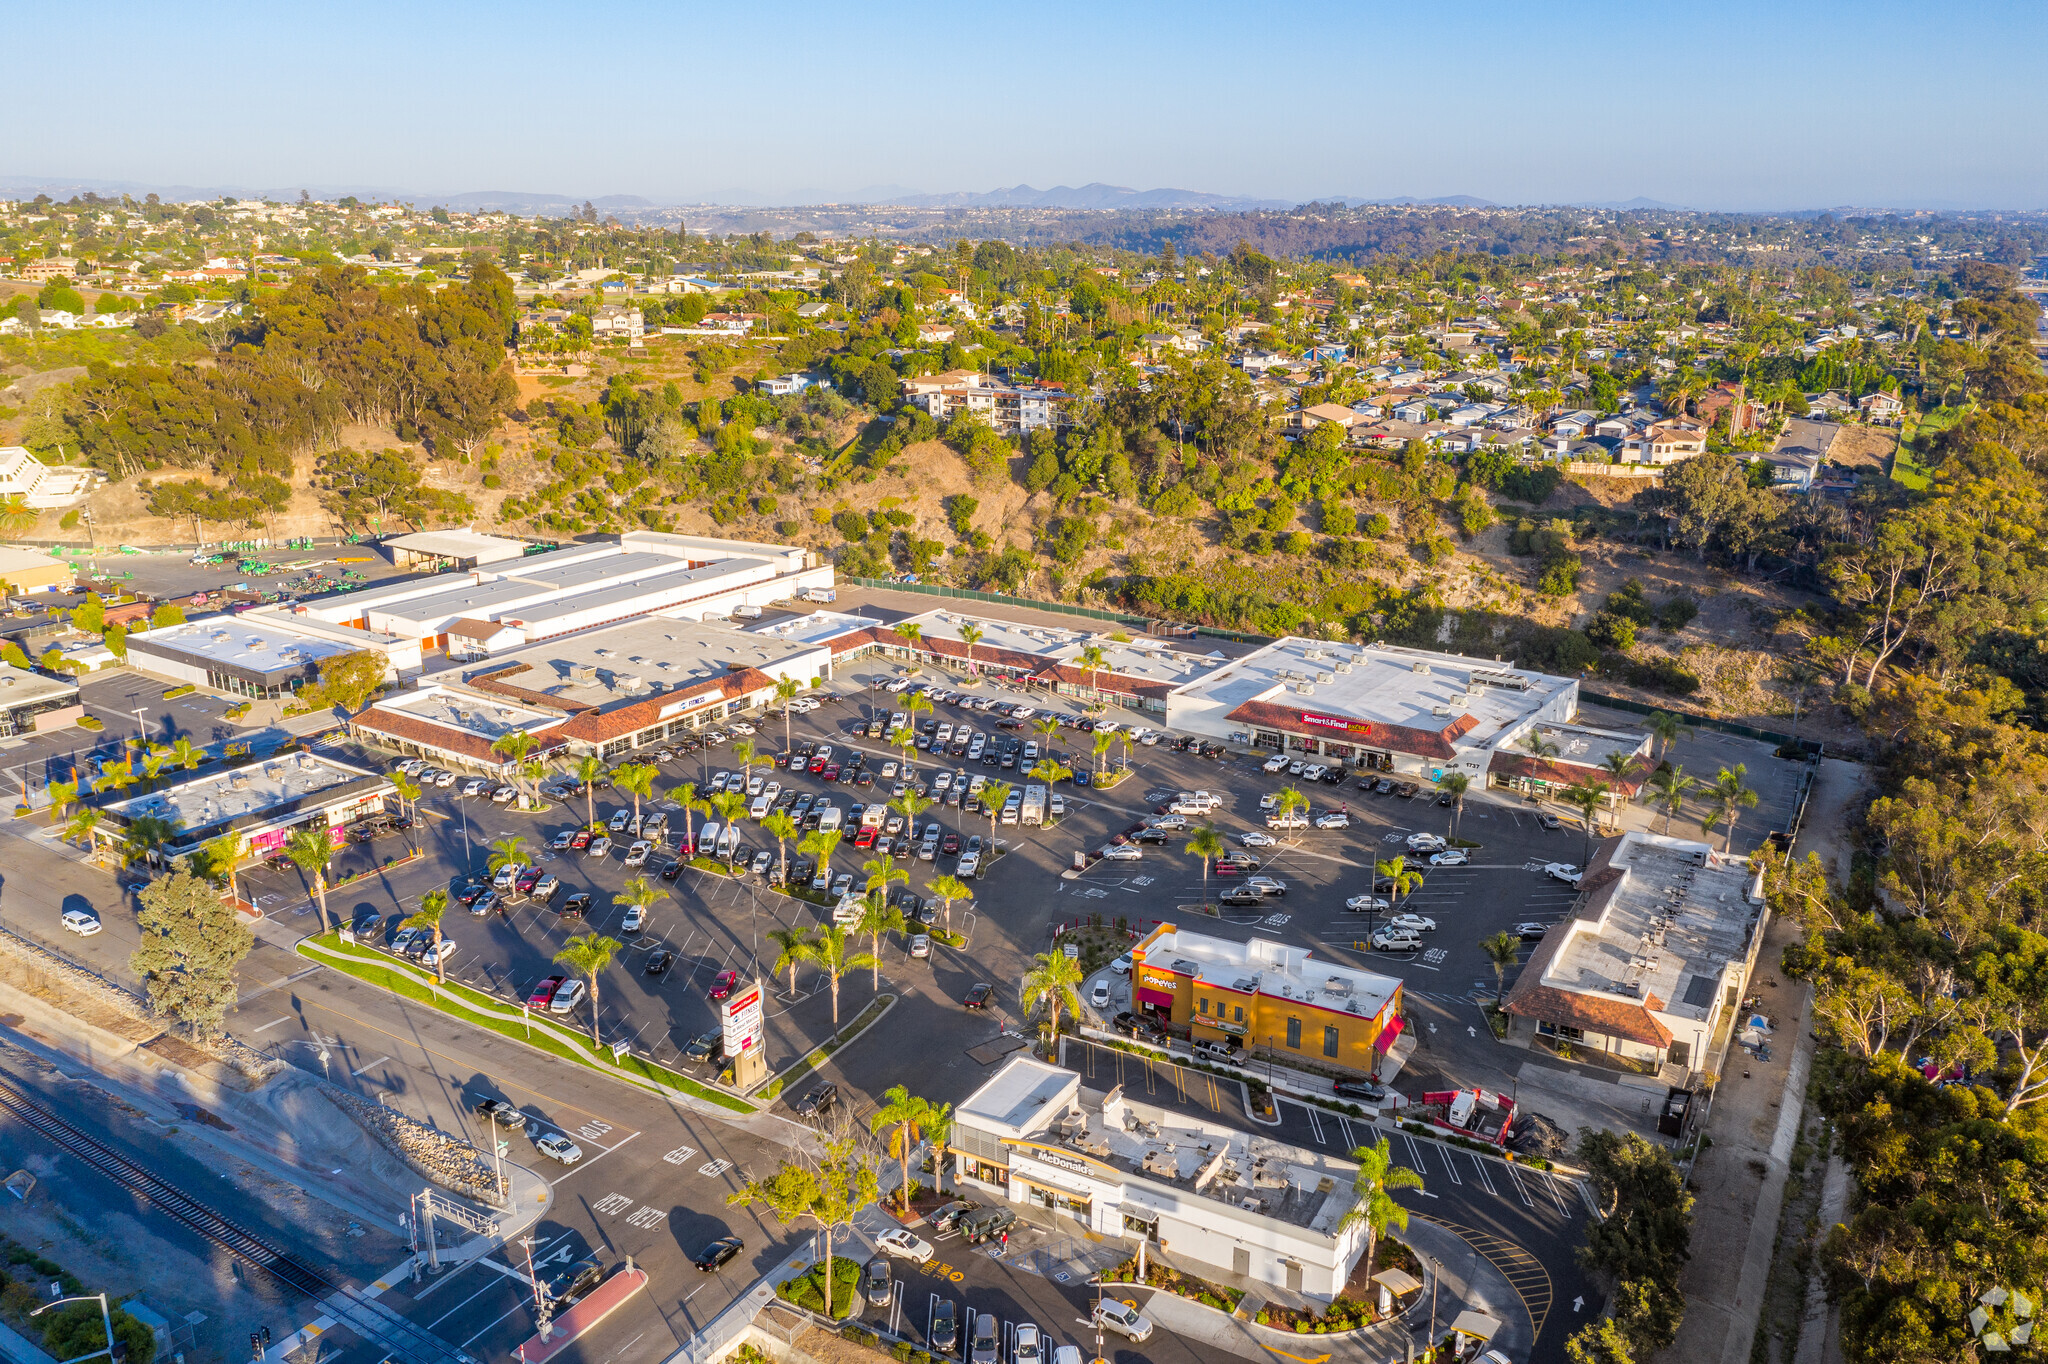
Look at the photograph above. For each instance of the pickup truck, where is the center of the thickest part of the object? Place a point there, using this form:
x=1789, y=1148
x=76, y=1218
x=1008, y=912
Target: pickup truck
x=1194, y=803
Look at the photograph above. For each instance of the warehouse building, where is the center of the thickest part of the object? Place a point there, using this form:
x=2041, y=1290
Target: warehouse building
x=455, y=727
x=26, y=570
x=452, y=549
x=1264, y=996
x=33, y=701
x=1654, y=957
x=259, y=805
x=260, y=654
x=581, y=587
x=1221, y=1201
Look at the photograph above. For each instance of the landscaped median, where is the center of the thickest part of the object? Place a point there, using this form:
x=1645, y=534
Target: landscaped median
x=484, y=1011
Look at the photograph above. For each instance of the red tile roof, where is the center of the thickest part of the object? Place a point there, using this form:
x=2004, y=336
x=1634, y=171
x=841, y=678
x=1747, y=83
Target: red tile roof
x=602, y=726
x=446, y=738
x=1511, y=764
x=1422, y=743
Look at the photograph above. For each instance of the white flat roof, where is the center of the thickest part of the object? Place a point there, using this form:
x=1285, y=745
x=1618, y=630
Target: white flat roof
x=662, y=655
x=1147, y=658
x=235, y=792
x=20, y=687
x=247, y=641
x=1383, y=684
x=488, y=718
x=460, y=544
x=816, y=627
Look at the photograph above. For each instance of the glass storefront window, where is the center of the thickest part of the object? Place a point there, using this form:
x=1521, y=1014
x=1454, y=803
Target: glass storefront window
x=998, y=1175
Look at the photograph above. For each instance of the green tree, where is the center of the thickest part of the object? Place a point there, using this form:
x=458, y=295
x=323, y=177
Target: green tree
x=994, y=797
x=191, y=945
x=1374, y=1184
x=878, y=919
x=729, y=806
x=1502, y=951
x=1206, y=844
x=1588, y=799
x=1455, y=785
x=1667, y=729
x=433, y=905
x=830, y=954
x=1092, y=660
x=1667, y=787
x=587, y=770
x=509, y=851
x=786, y=689
x=971, y=635
x=311, y=849
x=819, y=845
x=638, y=893
x=780, y=827
x=83, y=825
x=903, y=1111
x=586, y=954
x=1727, y=798
x=1054, y=981
x=831, y=1188
x=637, y=781
x=948, y=889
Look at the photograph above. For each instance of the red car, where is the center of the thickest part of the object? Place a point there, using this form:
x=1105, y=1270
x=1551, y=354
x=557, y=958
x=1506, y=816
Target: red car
x=865, y=838
x=726, y=983
x=818, y=763
x=581, y=841
x=831, y=773
x=544, y=993
x=950, y=844
x=528, y=879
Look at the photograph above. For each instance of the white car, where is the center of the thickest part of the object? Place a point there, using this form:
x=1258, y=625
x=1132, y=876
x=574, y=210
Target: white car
x=1425, y=842
x=79, y=922
x=901, y=1243
x=600, y=846
x=1566, y=872
x=1336, y=819
x=1122, y=852
x=1124, y=1320
x=619, y=822
x=1027, y=1348
x=636, y=856
x=969, y=865
x=1273, y=764
x=559, y=1147
x=1412, y=923
x=921, y=945
x=475, y=786
x=1099, y=996
x=1395, y=940
x=504, y=795
x=567, y=996
x=1122, y=965
x=1268, y=803
x=445, y=780
x=1455, y=857
x=849, y=909
x=1359, y=904
x=439, y=954
x=1255, y=839
x=740, y=727
x=636, y=918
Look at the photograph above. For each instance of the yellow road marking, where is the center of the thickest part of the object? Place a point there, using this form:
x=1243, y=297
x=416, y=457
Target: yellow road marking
x=1305, y=1359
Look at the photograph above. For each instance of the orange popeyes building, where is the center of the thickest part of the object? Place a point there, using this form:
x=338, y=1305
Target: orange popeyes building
x=1264, y=994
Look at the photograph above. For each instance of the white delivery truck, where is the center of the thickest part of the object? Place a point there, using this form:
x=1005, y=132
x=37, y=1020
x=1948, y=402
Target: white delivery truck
x=1033, y=809
x=820, y=594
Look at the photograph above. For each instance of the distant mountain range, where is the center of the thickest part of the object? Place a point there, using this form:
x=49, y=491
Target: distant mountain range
x=1089, y=196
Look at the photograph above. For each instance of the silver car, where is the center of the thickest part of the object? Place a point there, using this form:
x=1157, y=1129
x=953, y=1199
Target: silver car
x=987, y=1346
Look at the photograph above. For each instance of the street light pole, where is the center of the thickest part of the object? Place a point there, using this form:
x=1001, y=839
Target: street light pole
x=105, y=1320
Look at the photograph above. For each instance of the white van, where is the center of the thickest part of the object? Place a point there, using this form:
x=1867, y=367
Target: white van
x=728, y=839
x=761, y=806
x=831, y=819
x=707, y=837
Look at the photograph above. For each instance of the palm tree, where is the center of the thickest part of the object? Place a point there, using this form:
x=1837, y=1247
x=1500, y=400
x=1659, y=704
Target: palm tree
x=948, y=889
x=913, y=635
x=588, y=769
x=686, y=796
x=994, y=796
x=1374, y=1184
x=1401, y=881
x=1587, y=799
x=432, y=906
x=743, y=754
x=637, y=781
x=970, y=635
x=785, y=692
x=879, y=918
x=729, y=806
x=1502, y=950
x=1206, y=844
x=1054, y=980
x=780, y=827
x=937, y=1126
x=917, y=704
x=586, y=954
x=1538, y=746
x=796, y=947
x=85, y=824
x=910, y=805
x=1666, y=729
x=820, y=844
x=62, y=793
x=882, y=873
x=17, y=517
x=829, y=952
x=409, y=792
x=1103, y=739
x=187, y=754
x=1668, y=786
x=1729, y=798
x=509, y=851
x=639, y=893
x=905, y=1113
x=1455, y=784
x=1617, y=766
x=906, y=739
x=1050, y=772
x=1093, y=660
x=513, y=746
x=1046, y=727
x=311, y=850
x=1291, y=799
x=224, y=857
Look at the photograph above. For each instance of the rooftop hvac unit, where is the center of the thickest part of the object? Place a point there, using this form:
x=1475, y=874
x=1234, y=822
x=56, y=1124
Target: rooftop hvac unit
x=1490, y=677
x=1304, y=689
x=1419, y=668
x=1343, y=667
x=1311, y=653
x=1326, y=677
x=257, y=644
x=583, y=672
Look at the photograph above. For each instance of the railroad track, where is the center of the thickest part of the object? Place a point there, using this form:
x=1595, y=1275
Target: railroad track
x=401, y=1339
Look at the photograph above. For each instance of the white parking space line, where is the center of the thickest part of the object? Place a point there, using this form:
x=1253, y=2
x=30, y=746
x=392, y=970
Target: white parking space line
x=1315, y=1124
x=1484, y=1178
x=1449, y=1168
x=1550, y=1183
x=1515, y=1178
x=369, y=1065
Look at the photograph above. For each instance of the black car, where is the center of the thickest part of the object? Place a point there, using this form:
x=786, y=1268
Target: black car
x=471, y=893
x=499, y=1112
x=659, y=963
x=817, y=1103
x=1446, y=799
x=1369, y=1090
x=577, y=905
x=1150, y=835
x=874, y=1282
x=573, y=1282
x=945, y=1332
x=986, y=1224
x=719, y=1253
x=977, y=995
x=672, y=870
x=1137, y=1026
x=710, y=1047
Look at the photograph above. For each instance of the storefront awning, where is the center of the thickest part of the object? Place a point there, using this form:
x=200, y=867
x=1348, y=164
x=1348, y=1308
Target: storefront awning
x=1159, y=998
x=1395, y=1026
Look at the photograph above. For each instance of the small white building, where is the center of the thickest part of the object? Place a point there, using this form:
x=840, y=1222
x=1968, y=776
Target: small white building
x=1212, y=1197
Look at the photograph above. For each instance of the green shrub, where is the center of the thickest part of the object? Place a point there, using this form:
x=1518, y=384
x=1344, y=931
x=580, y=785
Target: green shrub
x=92, y=723
x=175, y=692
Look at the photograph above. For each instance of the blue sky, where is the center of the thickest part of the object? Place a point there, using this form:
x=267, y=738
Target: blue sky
x=1735, y=105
